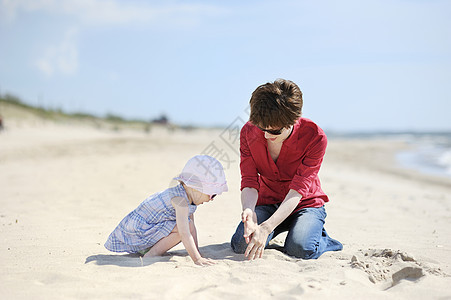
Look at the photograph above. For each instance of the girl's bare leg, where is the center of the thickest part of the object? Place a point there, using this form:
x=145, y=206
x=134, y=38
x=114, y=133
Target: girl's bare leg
x=169, y=242
x=166, y=243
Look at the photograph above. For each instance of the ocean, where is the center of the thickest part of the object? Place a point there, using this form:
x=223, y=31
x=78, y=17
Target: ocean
x=430, y=152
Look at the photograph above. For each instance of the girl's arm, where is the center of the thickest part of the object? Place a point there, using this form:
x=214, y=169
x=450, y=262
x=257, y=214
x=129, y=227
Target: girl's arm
x=182, y=212
x=194, y=231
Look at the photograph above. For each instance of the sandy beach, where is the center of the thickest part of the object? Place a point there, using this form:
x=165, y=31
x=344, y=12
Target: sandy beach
x=63, y=189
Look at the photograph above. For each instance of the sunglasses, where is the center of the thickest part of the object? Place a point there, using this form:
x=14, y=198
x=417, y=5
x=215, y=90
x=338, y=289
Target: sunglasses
x=212, y=196
x=272, y=132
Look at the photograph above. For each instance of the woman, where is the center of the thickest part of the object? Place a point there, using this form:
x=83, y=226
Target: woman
x=281, y=154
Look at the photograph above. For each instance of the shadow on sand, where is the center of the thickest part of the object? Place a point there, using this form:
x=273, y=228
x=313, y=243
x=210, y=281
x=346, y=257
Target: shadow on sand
x=215, y=251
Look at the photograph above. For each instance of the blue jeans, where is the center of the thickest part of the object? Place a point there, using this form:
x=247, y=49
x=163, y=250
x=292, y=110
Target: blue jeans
x=306, y=239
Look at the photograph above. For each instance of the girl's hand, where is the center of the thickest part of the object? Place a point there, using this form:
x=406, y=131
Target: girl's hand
x=204, y=262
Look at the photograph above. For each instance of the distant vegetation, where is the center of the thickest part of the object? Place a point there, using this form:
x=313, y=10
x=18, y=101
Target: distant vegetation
x=10, y=103
x=39, y=111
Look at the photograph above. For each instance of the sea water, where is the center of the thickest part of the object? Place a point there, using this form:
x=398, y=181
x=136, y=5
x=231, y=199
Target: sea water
x=429, y=153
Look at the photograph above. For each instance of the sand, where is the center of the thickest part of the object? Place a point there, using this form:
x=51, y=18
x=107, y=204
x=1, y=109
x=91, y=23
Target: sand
x=64, y=188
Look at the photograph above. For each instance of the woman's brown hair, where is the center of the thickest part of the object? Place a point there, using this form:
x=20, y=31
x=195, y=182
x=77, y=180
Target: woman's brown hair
x=276, y=104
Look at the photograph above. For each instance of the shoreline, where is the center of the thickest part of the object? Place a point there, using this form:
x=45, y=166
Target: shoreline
x=384, y=156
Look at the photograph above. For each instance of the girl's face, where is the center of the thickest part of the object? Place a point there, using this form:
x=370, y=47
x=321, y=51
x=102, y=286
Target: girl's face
x=200, y=198
x=277, y=138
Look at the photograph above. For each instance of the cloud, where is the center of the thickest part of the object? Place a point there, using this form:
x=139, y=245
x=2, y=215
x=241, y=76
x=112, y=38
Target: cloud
x=62, y=58
x=110, y=12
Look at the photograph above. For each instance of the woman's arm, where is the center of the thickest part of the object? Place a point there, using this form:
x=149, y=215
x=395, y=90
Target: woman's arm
x=249, y=183
x=285, y=209
x=249, y=198
x=309, y=167
x=181, y=212
x=257, y=244
x=248, y=168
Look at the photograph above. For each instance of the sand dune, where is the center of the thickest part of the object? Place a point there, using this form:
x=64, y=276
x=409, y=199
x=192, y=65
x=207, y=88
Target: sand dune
x=63, y=189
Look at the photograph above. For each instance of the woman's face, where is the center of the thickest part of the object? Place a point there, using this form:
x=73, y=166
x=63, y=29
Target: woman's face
x=284, y=133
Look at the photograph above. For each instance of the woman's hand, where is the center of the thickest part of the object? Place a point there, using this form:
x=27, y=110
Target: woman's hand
x=257, y=244
x=254, y=234
x=204, y=262
x=249, y=219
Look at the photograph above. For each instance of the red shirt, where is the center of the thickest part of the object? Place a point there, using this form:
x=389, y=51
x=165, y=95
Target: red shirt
x=296, y=168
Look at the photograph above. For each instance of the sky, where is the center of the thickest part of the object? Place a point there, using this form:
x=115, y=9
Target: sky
x=361, y=65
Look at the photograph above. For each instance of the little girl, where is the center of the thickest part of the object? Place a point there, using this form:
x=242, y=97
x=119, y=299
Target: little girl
x=166, y=218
